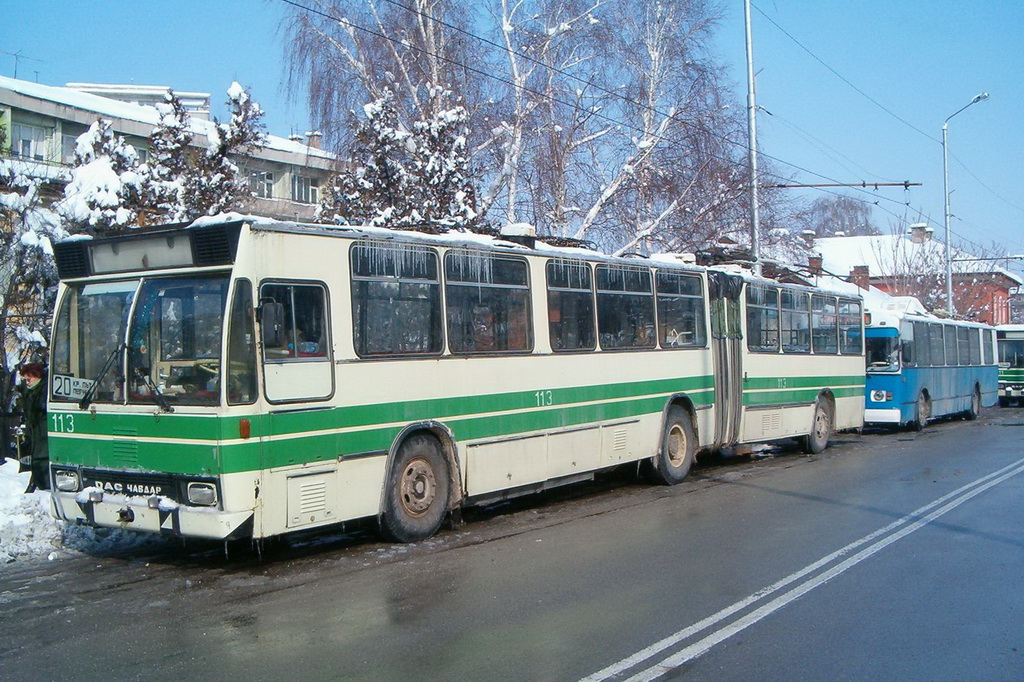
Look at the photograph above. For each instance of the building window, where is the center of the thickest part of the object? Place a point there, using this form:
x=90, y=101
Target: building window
x=305, y=190
x=262, y=184
x=68, y=143
x=28, y=142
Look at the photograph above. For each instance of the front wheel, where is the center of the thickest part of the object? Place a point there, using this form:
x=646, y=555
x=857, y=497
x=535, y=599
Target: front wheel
x=417, y=490
x=678, y=446
x=821, y=429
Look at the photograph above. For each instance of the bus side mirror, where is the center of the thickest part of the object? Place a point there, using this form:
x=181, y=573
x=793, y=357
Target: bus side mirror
x=272, y=324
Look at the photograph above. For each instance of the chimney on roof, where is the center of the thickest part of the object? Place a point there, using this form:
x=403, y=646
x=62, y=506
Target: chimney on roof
x=921, y=233
x=295, y=137
x=814, y=265
x=860, y=276
x=840, y=233
x=808, y=236
x=314, y=139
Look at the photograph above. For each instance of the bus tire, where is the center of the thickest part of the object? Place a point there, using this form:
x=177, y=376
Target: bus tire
x=417, y=490
x=922, y=410
x=821, y=428
x=975, y=408
x=678, y=448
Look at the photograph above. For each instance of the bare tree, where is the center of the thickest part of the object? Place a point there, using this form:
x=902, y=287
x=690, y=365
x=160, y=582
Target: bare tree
x=349, y=52
x=834, y=213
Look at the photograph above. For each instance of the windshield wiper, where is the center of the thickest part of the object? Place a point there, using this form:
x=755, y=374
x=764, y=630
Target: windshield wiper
x=91, y=392
x=158, y=397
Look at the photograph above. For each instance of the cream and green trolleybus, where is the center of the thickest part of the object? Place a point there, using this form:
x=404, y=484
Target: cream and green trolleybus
x=247, y=378
x=1010, y=342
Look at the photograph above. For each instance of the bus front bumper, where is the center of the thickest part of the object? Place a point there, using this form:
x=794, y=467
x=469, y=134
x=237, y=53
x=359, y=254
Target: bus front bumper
x=150, y=515
x=882, y=416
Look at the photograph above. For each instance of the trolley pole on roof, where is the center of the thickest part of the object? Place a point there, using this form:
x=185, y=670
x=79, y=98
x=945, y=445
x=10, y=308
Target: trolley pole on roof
x=755, y=220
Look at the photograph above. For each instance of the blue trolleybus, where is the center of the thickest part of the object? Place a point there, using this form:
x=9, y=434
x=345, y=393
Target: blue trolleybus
x=920, y=367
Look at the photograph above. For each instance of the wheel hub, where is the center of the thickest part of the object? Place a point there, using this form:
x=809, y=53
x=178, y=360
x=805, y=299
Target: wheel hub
x=418, y=487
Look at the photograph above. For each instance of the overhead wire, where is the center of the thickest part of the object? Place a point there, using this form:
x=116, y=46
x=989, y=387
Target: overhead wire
x=875, y=201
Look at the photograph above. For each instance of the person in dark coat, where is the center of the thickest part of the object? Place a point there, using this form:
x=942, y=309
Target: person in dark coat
x=33, y=405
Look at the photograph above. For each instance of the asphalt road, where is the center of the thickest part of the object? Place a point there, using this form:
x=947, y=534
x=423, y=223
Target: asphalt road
x=889, y=556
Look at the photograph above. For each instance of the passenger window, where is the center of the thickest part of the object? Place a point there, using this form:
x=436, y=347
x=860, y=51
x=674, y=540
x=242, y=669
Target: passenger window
x=762, y=318
x=796, y=322
x=625, y=307
x=570, y=305
x=488, y=301
x=825, y=325
x=680, y=310
x=396, y=300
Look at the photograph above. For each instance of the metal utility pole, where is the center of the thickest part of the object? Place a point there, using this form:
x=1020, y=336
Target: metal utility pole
x=755, y=219
x=950, y=308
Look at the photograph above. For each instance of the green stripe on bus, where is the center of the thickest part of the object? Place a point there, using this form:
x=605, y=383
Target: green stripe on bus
x=755, y=383
x=797, y=395
x=468, y=417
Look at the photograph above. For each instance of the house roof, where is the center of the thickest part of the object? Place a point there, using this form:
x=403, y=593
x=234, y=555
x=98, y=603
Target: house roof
x=144, y=114
x=887, y=255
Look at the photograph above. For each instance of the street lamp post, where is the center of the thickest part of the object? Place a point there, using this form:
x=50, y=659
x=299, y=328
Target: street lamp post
x=945, y=193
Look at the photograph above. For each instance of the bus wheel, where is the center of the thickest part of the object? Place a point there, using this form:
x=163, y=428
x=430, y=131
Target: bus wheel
x=821, y=429
x=1004, y=402
x=678, y=446
x=417, y=493
x=975, y=410
x=922, y=411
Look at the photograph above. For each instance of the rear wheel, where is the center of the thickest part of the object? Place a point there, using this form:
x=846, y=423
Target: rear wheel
x=975, y=408
x=678, y=446
x=417, y=492
x=821, y=428
x=922, y=410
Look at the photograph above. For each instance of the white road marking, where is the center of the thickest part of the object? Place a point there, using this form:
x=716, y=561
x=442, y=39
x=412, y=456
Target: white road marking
x=879, y=540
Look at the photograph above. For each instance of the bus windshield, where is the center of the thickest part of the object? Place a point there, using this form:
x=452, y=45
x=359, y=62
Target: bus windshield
x=173, y=341
x=1011, y=352
x=883, y=354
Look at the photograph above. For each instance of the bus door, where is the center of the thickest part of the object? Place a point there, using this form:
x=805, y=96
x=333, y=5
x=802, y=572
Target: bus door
x=727, y=353
x=297, y=365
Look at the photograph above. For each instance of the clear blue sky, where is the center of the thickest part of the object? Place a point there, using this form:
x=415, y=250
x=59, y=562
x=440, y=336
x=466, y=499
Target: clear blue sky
x=919, y=59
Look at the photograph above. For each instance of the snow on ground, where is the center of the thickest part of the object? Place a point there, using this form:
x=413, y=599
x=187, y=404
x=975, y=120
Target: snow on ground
x=26, y=528
x=29, y=533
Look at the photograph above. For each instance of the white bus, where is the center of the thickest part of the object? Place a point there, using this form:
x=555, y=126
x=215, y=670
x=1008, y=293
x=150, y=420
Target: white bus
x=251, y=378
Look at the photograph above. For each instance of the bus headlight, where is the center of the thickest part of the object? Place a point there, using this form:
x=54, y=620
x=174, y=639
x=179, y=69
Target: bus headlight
x=202, y=494
x=880, y=396
x=66, y=481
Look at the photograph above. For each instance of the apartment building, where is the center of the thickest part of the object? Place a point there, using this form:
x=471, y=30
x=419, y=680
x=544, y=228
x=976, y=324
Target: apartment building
x=42, y=122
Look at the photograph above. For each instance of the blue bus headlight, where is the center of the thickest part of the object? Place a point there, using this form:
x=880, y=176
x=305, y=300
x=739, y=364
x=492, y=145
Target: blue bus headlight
x=879, y=396
x=202, y=494
x=66, y=481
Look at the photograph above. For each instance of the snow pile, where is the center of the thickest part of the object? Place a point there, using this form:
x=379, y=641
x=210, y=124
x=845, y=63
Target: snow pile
x=27, y=530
